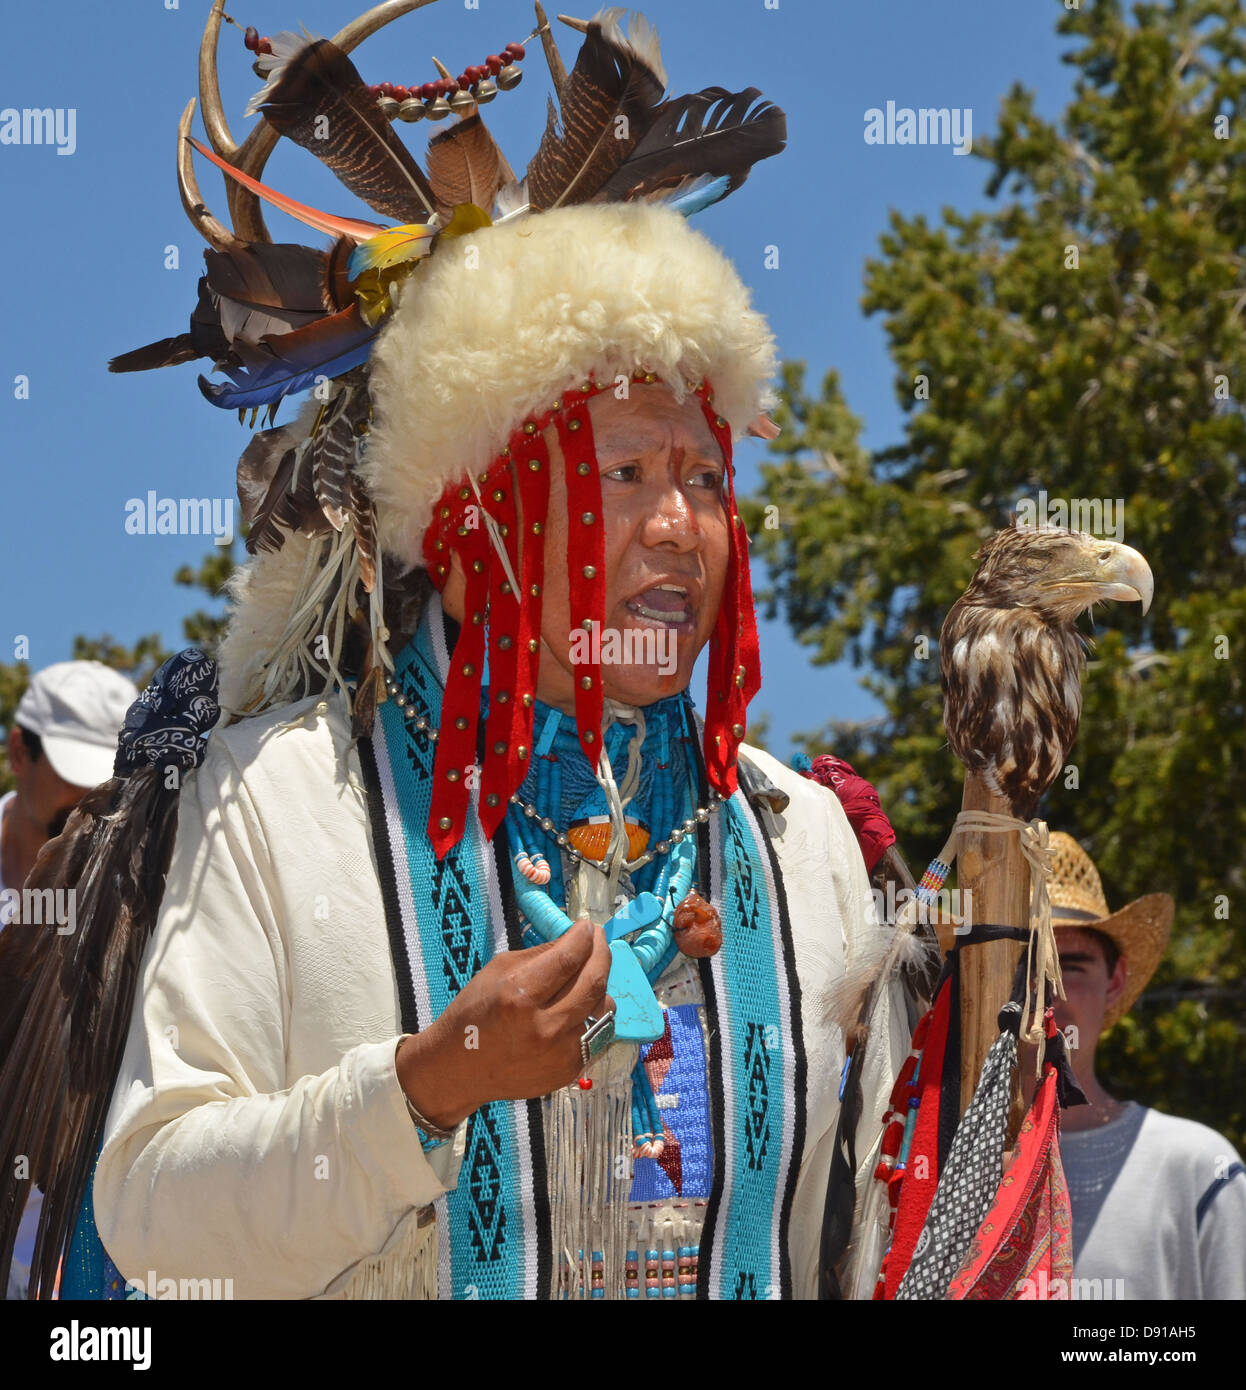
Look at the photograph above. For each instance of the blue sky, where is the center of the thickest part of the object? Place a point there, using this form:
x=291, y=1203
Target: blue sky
x=84, y=240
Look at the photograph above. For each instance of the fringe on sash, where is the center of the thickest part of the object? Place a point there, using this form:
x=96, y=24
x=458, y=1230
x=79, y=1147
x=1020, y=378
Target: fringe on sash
x=588, y=1155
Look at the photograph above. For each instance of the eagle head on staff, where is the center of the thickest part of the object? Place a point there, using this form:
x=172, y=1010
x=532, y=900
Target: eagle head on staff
x=1012, y=656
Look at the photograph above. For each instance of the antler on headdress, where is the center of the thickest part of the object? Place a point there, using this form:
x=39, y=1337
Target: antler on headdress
x=275, y=318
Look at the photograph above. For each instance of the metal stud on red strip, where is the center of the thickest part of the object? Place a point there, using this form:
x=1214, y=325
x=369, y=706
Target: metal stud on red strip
x=586, y=560
x=735, y=665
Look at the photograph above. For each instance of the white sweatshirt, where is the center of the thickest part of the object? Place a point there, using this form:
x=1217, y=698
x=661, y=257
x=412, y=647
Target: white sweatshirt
x=1159, y=1209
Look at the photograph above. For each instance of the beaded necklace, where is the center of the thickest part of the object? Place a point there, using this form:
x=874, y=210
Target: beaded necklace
x=658, y=918
x=643, y=931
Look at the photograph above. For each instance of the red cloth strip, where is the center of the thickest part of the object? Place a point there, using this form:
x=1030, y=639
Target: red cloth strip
x=586, y=558
x=460, y=711
x=921, y=1178
x=735, y=654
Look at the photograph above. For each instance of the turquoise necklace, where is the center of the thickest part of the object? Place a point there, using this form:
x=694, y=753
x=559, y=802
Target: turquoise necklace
x=641, y=937
x=641, y=932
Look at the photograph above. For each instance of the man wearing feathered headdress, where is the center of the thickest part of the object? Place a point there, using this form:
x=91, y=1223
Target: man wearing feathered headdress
x=486, y=966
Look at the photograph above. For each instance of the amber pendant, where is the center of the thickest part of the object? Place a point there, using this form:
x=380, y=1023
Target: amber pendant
x=591, y=837
x=697, y=927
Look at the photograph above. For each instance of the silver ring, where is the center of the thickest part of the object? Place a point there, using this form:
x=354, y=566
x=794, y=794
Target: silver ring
x=597, y=1036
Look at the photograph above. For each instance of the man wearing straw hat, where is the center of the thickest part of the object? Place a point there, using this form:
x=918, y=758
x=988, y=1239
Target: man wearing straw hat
x=1158, y=1203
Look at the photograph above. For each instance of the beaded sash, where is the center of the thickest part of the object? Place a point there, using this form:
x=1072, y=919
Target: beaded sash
x=447, y=920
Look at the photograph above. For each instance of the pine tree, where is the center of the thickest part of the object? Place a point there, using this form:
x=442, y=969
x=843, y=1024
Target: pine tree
x=1084, y=337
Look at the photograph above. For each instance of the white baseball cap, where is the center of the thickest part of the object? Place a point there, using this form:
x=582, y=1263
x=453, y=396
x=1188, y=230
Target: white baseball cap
x=77, y=708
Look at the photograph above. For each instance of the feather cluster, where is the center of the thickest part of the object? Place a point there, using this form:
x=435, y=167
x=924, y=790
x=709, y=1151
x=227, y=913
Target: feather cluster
x=65, y=1004
x=277, y=319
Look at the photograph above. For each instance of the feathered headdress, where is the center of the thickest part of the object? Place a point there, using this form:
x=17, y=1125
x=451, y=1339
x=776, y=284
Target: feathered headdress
x=440, y=344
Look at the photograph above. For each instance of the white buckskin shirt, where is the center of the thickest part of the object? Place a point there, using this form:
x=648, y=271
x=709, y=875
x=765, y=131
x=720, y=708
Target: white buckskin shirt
x=258, y=1132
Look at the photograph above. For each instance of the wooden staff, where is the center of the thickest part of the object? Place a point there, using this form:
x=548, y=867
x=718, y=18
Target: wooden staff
x=1012, y=661
x=993, y=869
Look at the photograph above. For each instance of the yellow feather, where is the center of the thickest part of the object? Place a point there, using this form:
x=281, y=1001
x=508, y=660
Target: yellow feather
x=467, y=217
x=377, y=264
x=398, y=244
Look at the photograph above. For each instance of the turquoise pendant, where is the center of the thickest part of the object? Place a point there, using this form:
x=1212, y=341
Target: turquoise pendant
x=645, y=910
x=637, y=1013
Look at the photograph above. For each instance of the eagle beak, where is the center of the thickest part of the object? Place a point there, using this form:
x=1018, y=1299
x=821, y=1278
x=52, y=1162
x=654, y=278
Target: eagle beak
x=1122, y=574
x=1104, y=570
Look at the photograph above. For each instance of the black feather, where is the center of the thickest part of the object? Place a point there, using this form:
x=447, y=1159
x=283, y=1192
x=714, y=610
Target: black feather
x=714, y=132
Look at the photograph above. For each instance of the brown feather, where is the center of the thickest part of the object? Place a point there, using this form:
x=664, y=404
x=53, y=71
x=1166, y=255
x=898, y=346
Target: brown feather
x=258, y=467
x=406, y=596
x=290, y=483
x=465, y=165
x=244, y=295
x=168, y=352
x=336, y=289
x=321, y=90
x=282, y=276
x=205, y=339
x=331, y=455
x=67, y=1002
x=289, y=505
x=610, y=80
x=363, y=520
x=369, y=693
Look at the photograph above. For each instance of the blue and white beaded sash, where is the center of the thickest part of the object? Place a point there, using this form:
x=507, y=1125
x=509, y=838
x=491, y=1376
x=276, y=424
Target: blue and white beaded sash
x=447, y=920
x=757, y=1067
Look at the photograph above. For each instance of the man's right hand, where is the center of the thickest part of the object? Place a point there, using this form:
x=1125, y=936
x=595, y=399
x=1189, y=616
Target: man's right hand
x=513, y=1031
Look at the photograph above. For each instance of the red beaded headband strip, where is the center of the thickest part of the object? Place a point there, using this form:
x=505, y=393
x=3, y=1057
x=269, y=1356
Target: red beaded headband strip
x=464, y=516
x=437, y=99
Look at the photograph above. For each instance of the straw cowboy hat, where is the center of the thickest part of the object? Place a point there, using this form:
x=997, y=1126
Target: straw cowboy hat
x=1139, y=930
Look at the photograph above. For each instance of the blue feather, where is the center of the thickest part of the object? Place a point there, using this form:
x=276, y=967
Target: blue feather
x=279, y=379
x=698, y=195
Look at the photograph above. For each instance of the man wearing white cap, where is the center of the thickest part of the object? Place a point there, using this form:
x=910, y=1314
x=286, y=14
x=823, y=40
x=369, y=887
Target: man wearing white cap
x=63, y=742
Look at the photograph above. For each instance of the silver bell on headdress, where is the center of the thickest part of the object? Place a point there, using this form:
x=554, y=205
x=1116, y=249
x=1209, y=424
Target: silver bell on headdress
x=486, y=90
x=388, y=107
x=437, y=109
x=462, y=101
x=510, y=76
x=411, y=110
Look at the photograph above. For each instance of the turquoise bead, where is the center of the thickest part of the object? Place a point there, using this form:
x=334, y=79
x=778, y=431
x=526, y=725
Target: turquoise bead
x=643, y=911
x=637, y=1014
